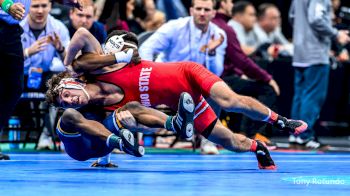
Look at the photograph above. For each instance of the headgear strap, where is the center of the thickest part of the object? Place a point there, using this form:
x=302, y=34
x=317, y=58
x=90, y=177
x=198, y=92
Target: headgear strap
x=71, y=83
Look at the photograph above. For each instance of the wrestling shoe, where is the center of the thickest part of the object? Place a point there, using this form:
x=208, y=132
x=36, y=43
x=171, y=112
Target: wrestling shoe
x=108, y=165
x=182, y=122
x=129, y=144
x=263, y=156
x=4, y=157
x=269, y=144
x=292, y=126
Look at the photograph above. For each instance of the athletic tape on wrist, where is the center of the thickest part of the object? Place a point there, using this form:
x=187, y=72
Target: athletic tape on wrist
x=6, y=4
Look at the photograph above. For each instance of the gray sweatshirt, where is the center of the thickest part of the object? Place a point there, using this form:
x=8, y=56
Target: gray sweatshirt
x=312, y=32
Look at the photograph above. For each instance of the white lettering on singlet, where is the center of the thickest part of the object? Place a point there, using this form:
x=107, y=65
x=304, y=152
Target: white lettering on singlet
x=145, y=75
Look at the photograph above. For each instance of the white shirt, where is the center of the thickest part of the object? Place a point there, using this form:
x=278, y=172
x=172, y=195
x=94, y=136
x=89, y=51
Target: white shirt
x=275, y=37
x=244, y=37
x=181, y=40
x=44, y=59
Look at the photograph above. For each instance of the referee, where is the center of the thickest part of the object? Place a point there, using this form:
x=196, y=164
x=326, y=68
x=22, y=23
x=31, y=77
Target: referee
x=11, y=54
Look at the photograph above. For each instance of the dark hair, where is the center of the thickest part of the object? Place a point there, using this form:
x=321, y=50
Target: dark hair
x=263, y=7
x=130, y=37
x=218, y=4
x=214, y=2
x=240, y=6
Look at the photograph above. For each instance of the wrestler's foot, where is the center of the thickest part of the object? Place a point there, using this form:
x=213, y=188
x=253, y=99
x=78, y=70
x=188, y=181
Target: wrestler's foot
x=183, y=120
x=108, y=165
x=264, y=159
x=292, y=126
x=4, y=157
x=129, y=144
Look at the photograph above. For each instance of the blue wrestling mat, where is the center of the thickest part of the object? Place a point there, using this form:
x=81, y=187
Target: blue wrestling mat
x=177, y=174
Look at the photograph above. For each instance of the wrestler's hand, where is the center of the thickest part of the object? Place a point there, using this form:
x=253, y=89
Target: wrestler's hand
x=214, y=43
x=275, y=86
x=108, y=165
x=17, y=11
x=124, y=56
x=127, y=119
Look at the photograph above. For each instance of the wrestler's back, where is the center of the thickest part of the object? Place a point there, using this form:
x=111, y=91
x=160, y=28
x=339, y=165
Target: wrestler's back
x=153, y=83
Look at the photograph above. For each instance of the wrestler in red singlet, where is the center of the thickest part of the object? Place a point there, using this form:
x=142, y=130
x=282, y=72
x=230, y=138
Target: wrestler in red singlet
x=152, y=84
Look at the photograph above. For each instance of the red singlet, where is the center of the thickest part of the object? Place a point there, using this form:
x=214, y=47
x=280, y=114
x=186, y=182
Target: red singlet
x=153, y=84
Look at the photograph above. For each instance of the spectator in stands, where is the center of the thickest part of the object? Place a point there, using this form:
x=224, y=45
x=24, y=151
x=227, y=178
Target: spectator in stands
x=154, y=18
x=242, y=22
x=268, y=30
x=312, y=34
x=86, y=18
x=192, y=38
x=120, y=15
x=260, y=85
x=44, y=40
x=173, y=9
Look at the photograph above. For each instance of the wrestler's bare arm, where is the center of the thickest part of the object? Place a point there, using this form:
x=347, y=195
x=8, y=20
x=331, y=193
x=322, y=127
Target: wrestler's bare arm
x=92, y=57
x=77, y=122
x=146, y=119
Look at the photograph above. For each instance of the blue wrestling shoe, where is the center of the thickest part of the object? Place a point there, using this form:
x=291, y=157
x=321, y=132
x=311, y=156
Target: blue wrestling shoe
x=129, y=144
x=183, y=120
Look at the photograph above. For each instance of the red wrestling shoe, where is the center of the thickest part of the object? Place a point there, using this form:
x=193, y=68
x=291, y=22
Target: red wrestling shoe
x=292, y=126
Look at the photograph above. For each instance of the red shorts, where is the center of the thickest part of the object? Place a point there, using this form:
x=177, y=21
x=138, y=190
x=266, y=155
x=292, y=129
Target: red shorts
x=201, y=78
x=204, y=116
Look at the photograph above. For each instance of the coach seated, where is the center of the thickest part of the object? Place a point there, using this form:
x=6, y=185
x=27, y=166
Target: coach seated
x=44, y=40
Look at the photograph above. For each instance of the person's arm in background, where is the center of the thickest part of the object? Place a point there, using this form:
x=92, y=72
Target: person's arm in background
x=245, y=64
x=279, y=37
x=158, y=42
x=216, y=53
x=319, y=20
x=16, y=10
x=291, y=13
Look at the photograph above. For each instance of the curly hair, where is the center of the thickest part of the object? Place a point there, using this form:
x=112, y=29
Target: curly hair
x=52, y=93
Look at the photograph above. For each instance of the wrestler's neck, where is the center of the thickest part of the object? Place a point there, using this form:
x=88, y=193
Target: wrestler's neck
x=103, y=93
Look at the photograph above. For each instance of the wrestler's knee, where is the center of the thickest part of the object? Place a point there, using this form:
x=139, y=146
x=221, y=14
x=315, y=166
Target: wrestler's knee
x=134, y=107
x=70, y=117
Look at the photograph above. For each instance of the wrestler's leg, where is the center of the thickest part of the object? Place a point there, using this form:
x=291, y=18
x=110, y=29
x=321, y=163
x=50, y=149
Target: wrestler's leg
x=230, y=101
x=239, y=143
x=181, y=123
x=74, y=120
x=149, y=117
